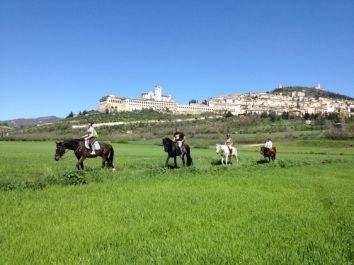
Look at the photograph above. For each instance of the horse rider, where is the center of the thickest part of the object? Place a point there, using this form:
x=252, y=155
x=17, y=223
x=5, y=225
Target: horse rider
x=91, y=137
x=268, y=146
x=229, y=142
x=179, y=138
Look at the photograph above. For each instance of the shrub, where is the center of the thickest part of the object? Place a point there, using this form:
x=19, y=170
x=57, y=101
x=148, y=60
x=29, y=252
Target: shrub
x=338, y=133
x=75, y=178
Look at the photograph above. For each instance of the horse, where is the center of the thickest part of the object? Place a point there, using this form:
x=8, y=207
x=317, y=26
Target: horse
x=106, y=151
x=224, y=151
x=172, y=150
x=270, y=153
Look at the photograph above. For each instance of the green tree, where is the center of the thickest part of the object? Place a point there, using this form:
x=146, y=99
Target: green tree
x=285, y=115
x=228, y=114
x=71, y=114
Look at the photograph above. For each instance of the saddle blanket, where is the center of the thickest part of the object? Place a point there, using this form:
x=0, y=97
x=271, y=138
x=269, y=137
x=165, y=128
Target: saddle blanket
x=95, y=144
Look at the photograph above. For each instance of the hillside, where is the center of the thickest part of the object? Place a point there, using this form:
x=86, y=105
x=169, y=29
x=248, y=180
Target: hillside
x=201, y=130
x=311, y=92
x=17, y=123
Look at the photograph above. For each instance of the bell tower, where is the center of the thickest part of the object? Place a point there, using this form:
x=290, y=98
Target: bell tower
x=158, y=92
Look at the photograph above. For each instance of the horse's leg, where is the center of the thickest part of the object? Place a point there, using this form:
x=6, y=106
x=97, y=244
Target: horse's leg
x=82, y=158
x=175, y=159
x=80, y=163
x=183, y=160
x=168, y=158
x=104, y=160
x=78, y=159
x=107, y=161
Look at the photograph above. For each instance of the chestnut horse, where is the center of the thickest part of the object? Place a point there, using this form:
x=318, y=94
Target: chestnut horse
x=270, y=153
x=172, y=150
x=106, y=151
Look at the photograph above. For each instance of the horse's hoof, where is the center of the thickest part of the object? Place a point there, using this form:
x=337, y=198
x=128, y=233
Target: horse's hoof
x=113, y=169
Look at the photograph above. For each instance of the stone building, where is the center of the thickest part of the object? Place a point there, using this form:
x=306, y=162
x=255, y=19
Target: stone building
x=296, y=103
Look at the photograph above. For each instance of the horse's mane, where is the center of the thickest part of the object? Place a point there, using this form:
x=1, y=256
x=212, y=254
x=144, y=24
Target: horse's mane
x=168, y=139
x=71, y=143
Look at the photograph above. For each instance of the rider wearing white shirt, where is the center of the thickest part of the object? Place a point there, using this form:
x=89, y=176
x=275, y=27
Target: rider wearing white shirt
x=91, y=136
x=229, y=142
x=269, y=144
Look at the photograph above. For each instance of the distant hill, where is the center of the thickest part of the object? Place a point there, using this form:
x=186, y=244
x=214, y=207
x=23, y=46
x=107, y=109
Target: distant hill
x=18, y=123
x=310, y=91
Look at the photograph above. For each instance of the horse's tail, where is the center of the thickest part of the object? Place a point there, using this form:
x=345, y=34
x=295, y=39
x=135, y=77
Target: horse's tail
x=111, y=156
x=188, y=154
x=275, y=152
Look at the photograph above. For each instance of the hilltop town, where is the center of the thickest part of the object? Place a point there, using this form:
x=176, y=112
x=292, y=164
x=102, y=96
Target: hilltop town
x=296, y=101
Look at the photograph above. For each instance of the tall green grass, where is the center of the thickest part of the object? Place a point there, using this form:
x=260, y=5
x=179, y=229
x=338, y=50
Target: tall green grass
x=297, y=210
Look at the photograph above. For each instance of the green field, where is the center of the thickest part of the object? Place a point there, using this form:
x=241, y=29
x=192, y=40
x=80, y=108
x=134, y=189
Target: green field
x=297, y=210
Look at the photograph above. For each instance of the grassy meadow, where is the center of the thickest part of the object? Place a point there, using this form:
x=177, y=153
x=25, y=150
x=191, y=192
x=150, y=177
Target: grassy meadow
x=296, y=210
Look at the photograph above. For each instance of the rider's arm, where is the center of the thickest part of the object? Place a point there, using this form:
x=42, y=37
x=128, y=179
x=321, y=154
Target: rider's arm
x=85, y=136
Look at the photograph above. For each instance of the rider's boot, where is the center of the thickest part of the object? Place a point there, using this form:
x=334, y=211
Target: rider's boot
x=93, y=150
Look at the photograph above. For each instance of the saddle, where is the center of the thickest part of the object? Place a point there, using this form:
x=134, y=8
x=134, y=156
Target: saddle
x=95, y=143
x=179, y=149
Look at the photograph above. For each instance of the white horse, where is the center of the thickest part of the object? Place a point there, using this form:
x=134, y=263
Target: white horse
x=224, y=151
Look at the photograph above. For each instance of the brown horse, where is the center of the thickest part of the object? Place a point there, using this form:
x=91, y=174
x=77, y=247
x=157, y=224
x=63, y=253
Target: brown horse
x=270, y=153
x=172, y=150
x=106, y=151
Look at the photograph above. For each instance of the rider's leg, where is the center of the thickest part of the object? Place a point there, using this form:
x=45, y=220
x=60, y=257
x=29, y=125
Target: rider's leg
x=180, y=145
x=93, y=146
x=230, y=149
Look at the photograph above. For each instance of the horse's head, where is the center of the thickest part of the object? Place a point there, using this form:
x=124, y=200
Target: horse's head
x=166, y=143
x=59, y=152
x=217, y=146
x=262, y=150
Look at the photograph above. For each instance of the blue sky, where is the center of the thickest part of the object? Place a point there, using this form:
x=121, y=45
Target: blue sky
x=62, y=56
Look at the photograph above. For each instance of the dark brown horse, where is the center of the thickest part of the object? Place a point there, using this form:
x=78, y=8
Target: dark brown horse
x=270, y=153
x=172, y=150
x=106, y=151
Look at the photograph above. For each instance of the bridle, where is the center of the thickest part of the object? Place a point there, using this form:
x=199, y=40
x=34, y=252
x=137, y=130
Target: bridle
x=59, y=152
